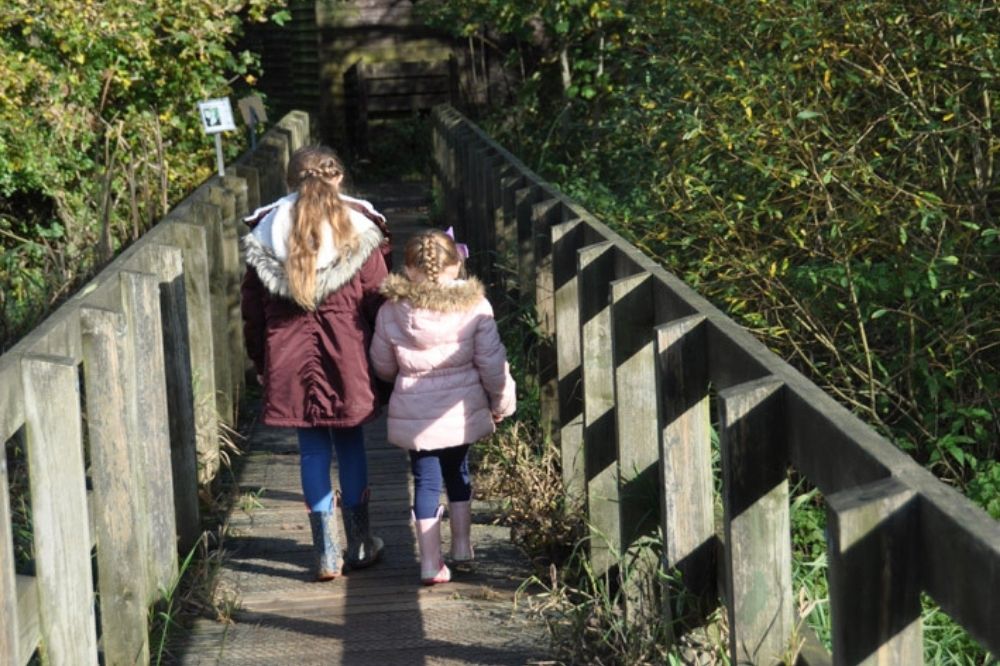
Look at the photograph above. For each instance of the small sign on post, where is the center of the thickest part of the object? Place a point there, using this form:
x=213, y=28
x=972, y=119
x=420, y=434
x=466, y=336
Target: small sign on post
x=252, y=110
x=216, y=118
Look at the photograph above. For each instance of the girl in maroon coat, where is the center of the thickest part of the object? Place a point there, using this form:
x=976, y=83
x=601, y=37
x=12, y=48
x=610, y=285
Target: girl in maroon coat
x=315, y=261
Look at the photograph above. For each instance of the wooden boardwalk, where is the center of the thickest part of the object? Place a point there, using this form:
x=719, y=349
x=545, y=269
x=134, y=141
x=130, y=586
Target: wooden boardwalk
x=380, y=615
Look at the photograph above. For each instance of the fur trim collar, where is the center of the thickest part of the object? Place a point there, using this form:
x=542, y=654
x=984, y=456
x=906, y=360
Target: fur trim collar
x=456, y=296
x=265, y=252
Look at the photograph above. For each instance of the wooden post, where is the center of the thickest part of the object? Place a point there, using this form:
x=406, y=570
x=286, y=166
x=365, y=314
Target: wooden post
x=687, y=510
x=150, y=425
x=567, y=239
x=875, y=575
x=167, y=262
x=543, y=215
x=633, y=358
x=191, y=238
x=118, y=471
x=9, y=647
x=595, y=270
x=758, y=540
x=524, y=201
x=59, y=508
x=510, y=180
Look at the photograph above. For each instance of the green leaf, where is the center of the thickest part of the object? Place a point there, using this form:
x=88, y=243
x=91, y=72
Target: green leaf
x=806, y=115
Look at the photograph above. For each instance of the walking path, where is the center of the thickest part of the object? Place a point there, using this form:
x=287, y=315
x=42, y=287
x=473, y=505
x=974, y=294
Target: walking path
x=380, y=615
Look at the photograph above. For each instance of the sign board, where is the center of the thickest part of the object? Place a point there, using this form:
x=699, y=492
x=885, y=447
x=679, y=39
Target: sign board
x=252, y=110
x=216, y=115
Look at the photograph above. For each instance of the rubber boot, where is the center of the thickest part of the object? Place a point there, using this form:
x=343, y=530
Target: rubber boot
x=325, y=546
x=460, y=516
x=433, y=570
x=363, y=549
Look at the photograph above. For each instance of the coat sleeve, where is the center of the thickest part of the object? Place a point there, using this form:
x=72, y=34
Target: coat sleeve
x=252, y=309
x=381, y=353
x=372, y=273
x=490, y=358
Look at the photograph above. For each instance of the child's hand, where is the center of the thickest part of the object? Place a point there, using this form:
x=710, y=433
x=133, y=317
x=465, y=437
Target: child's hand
x=260, y=379
x=497, y=418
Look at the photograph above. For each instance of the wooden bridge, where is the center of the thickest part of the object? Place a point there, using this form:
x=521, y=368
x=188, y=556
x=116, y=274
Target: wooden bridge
x=116, y=400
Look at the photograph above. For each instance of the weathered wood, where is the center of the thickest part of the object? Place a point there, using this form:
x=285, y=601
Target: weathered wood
x=59, y=509
x=8, y=584
x=567, y=239
x=543, y=215
x=524, y=202
x=167, y=263
x=595, y=270
x=117, y=468
x=873, y=555
x=633, y=357
x=149, y=429
x=687, y=511
x=755, y=502
x=27, y=620
x=191, y=238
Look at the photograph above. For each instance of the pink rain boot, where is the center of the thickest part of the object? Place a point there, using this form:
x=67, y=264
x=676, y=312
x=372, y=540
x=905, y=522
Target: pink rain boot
x=460, y=516
x=432, y=567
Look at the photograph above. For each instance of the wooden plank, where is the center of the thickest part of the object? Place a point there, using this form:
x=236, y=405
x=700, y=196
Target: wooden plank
x=28, y=614
x=755, y=502
x=191, y=238
x=595, y=270
x=875, y=575
x=150, y=426
x=59, y=509
x=567, y=239
x=524, y=202
x=8, y=584
x=633, y=358
x=117, y=468
x=543, y=215
x=167, y=263
x=687, y=511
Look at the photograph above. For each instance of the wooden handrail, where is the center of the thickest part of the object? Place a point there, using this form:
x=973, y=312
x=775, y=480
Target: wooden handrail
x=614, y=324
x=138, y=367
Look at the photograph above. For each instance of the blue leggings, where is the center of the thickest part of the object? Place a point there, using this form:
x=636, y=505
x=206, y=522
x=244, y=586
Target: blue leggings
x=429, y=469
x=315, y=455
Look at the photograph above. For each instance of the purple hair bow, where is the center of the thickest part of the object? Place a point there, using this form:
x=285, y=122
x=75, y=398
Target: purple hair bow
x=463, y=249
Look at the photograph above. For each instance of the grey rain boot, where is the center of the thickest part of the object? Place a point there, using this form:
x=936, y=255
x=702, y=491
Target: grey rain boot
x=363, y=549
x=325, y=546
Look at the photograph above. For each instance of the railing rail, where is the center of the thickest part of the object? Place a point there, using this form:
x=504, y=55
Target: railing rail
x=116, y=399
x=632, y=360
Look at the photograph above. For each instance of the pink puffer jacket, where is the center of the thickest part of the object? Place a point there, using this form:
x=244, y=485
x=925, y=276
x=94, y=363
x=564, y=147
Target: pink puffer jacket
x=440, y=343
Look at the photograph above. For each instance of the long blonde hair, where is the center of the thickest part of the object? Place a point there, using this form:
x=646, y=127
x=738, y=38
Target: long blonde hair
x=315, y=172
x=430, y=251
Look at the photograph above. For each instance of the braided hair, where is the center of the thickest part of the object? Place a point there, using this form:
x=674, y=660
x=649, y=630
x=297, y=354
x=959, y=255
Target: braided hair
x=430, y=251
x=315, y=172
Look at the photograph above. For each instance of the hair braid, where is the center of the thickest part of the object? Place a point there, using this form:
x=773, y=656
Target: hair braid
x=430, y=251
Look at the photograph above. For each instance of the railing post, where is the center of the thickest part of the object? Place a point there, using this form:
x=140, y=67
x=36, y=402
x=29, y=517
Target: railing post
x=9, y=647
x=150, y=427
x=59, y=508
x=633, y=315
x=874, y=575
x=595, y=270
x=567, y=239
x=191, y=238
x=684, y=419
x=118, y=471
x=524, y=201
x=758, y=540
x=543, y=215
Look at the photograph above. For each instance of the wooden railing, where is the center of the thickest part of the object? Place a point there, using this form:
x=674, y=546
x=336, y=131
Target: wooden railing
x=116, y=400
x=632, y=367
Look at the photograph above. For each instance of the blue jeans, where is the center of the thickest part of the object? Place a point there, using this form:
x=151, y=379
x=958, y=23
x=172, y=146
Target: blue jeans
x=430, y=468
x=315, y=455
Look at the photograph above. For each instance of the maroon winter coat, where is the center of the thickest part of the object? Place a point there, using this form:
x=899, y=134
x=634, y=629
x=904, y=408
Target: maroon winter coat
x=314, y=364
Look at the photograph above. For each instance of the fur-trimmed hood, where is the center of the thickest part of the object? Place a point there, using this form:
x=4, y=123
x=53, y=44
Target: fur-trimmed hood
x=454, y=296
x=266, y=248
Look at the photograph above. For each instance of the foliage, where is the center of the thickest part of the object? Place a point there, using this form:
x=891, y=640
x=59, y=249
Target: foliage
x=825, y=172
x=99, y=131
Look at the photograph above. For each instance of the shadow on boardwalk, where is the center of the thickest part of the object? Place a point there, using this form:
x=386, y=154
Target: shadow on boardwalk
x=380, y=615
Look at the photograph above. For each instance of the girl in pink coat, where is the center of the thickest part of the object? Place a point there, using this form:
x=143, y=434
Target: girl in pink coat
x=435, y=336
